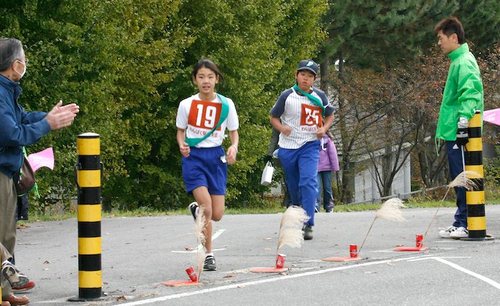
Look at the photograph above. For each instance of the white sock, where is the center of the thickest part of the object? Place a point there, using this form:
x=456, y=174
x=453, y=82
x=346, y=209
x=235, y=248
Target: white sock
x=210, y=254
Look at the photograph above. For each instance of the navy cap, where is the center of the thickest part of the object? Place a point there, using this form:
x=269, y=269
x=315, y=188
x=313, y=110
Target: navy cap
x=308, y=65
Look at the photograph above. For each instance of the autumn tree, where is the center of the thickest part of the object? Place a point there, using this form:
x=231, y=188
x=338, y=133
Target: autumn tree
x=387, y=37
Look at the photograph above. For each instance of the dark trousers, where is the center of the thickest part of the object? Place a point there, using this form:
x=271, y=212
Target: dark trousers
x=22, y=207
x=456, y=165
x=325, y=190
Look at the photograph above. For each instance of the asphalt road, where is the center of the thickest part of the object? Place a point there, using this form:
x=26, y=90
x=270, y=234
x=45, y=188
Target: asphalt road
x=138, y=254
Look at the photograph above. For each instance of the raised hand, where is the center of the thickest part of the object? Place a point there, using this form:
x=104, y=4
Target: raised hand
x=62, y=116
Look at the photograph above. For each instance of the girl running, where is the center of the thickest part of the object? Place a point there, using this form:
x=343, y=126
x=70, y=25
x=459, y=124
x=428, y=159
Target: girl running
x=201, y=122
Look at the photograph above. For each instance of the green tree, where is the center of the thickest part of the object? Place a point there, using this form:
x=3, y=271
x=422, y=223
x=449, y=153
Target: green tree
x=109, y=57
x=481, y=20
x=127, y=64
x=251, y=42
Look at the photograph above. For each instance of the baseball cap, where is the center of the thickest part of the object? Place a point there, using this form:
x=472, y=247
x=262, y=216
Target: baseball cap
x=308, y=65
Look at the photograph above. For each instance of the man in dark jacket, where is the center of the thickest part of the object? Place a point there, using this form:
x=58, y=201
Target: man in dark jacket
x=19, y=128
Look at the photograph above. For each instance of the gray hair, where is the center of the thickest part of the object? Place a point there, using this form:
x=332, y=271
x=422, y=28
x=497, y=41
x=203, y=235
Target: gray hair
x=11, y=49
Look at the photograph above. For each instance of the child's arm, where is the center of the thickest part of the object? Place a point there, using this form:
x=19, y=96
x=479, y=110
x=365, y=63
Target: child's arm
x=284, y=129
x=322, y=130
x=183, y=146
x=233, y=148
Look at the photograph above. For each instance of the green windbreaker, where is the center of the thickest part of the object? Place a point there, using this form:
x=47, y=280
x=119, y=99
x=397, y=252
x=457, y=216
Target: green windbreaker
x=463, y=93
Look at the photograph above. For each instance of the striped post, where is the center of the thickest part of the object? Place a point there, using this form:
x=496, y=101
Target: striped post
x=89, y=216
x=476, y=217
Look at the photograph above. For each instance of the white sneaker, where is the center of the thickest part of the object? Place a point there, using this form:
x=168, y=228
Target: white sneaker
x=446, y=233
x=460, y=232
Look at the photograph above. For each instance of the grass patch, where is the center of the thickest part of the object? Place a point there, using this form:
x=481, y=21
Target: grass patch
x=37, y=217
x=268, y=206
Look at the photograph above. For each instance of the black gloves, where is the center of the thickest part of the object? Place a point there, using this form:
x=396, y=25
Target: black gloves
x=462, y=137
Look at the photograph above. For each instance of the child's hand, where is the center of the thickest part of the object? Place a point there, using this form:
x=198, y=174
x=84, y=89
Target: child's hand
x=184, y=148
x=320, y=132
x=286, y=130
x=231, y=154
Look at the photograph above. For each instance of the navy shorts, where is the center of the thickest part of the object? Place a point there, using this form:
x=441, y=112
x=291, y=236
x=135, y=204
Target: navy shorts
x=205, y=167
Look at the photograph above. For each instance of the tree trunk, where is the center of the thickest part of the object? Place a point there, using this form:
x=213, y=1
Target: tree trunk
x=347, y=167
x=324, y=82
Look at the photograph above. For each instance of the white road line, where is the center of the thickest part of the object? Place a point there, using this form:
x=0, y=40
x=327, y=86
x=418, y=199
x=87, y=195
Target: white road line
x=459, y=268
x=214, y=236
x=262, y=281
x=448, y=257
x=478, y=276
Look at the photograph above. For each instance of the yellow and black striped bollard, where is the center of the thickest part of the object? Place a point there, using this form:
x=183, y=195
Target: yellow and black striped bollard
x=89, y=216
x=476, y=216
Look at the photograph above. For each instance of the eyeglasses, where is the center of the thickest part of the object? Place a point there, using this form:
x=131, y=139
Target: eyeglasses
x=25, y=62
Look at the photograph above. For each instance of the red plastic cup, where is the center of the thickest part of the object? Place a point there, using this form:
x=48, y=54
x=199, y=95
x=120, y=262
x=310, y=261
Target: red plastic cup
x=353, y=250
x=280, y=261
x=192, y=274
x=419, y=240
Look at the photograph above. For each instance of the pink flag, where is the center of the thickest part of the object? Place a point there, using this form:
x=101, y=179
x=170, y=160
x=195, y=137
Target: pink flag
x=43, y=158
x=492, y=116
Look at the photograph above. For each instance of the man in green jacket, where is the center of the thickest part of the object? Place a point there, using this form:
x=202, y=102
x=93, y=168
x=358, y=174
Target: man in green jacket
x=463, y=95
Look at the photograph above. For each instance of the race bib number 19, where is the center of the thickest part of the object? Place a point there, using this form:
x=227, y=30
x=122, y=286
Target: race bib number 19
x=204, y=114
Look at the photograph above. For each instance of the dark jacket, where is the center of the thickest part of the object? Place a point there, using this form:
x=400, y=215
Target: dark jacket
x=18, y=127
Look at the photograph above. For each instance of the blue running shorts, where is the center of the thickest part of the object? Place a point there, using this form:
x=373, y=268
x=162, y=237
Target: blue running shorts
x=205, y=167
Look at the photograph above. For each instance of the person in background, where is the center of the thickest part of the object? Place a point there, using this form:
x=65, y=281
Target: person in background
x=302, y=114
x=327, y=164
x=462, y=97
x=272, y=152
